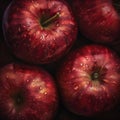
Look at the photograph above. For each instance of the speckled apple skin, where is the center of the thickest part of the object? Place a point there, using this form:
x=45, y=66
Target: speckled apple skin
x=98, y=20
x=79, y=92
x=38, y=90
x=31, y=42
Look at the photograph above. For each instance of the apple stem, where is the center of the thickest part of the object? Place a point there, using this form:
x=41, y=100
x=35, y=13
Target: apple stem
x=48, y=21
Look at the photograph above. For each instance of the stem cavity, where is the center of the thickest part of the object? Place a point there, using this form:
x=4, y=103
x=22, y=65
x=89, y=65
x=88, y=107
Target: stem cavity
x=45, y=22
x=95, y=76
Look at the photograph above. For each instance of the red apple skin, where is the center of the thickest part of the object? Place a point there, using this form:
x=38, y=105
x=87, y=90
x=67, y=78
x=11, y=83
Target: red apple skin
x=27, y=93
x=98, y=20
x=30, y=41
x=81, y=92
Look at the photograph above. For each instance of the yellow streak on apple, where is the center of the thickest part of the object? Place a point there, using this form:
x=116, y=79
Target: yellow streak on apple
x=38, y=85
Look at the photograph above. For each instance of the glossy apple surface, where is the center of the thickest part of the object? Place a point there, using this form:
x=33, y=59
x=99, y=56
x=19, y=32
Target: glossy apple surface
x=27, y=93
x=39, y=31
x=99, y=20
x=89, y=80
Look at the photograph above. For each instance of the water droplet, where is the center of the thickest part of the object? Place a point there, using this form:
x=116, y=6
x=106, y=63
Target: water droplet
x=33, y=1
x=52, y=4
x=27, y=80
x=7, y=76
x=40, y=88
x=86, y=58
x=57, y=24
x=86, y=66
x=59, y=8
x=24, y=26
x=81, y=64
x=24, y=35
x=42, y=37
x=19, y=29
x=73, y=68
x=76, y=87
x=45, y=93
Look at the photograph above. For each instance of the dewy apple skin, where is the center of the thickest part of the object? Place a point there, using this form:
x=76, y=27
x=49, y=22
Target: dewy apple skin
x=89, y=80
x=39, y=31
x=98, y=20
x=27, y=93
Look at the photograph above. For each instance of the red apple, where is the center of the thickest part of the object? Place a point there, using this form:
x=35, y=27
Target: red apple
x=27, y=93
x=39, y=31
x=98, y=20
x=89, y=80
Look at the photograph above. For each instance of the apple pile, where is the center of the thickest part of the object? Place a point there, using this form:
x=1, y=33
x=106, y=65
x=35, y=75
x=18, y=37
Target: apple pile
x=59, y=59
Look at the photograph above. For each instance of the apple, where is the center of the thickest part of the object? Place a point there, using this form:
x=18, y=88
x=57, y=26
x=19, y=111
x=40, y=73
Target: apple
x=89, y=80
x=98, y=20
x=39, y=31
x=27, y=93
